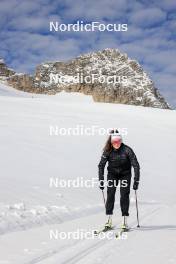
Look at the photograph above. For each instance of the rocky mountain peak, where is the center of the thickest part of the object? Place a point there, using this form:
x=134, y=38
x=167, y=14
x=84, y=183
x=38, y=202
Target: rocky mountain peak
x=108, y=75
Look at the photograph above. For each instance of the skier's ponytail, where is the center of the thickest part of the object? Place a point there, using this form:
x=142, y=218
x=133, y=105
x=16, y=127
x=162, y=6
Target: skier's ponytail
x=108, y=145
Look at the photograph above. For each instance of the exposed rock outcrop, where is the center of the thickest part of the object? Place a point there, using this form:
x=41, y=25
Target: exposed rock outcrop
x=108, y=75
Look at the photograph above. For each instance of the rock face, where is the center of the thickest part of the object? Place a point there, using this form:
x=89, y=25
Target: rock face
x=4, y=70
x=108, y=75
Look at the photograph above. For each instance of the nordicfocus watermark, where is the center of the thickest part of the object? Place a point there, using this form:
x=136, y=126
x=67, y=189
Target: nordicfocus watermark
x=80, y=182
x=82, y=130
x=82, y=234
x=81, y=26
x=93, y=78
x=80, y=78
x=57, y=79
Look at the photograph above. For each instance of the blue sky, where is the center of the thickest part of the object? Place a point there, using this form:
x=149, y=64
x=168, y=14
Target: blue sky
x=151, y=37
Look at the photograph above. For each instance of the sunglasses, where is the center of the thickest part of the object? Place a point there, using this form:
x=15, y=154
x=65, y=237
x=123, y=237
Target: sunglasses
x=116, y=139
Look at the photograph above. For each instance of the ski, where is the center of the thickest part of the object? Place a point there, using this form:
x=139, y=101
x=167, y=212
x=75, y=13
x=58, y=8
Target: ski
x=122, y=230
x=103, y=230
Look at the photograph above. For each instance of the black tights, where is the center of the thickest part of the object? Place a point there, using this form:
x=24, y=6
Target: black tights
x=125, y=182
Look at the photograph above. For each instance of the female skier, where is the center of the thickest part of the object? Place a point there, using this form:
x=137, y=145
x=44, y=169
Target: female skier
x=120, y=159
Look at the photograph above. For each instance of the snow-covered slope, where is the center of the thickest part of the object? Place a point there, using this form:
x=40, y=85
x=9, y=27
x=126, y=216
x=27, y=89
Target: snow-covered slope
x=6, y=90
x=9, y=91
x=30, y=208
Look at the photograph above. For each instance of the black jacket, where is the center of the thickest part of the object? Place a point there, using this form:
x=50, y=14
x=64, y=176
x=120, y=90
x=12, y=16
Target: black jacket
x=120, y=162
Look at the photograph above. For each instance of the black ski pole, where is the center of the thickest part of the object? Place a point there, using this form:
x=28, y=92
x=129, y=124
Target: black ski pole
x=104, y=198
x=137, y=209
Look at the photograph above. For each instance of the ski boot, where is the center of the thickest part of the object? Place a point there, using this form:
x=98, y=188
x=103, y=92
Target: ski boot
x=108, y=225
x=124, y=225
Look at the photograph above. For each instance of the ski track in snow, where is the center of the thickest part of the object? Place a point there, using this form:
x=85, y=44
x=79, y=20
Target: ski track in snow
x=75, y=258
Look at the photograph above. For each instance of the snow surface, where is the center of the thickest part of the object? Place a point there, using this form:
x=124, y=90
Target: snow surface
x=30, y=208
x=6, y=90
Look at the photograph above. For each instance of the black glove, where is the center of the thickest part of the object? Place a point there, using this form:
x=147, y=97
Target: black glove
x=101, y=185
x=135, y=185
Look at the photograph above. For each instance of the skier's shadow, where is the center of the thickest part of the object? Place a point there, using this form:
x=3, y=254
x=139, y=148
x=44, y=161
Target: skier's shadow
x=155, y=228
